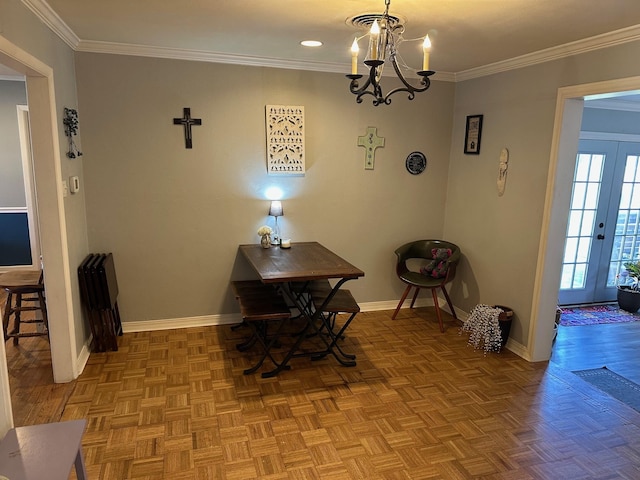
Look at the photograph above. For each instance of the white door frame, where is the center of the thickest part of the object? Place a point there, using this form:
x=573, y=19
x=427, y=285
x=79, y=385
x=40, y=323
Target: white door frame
x=564, y=146
x=48, y=184
x=29, y=187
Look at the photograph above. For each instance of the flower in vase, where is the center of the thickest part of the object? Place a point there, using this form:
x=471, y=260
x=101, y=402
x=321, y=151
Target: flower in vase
x=265, y=230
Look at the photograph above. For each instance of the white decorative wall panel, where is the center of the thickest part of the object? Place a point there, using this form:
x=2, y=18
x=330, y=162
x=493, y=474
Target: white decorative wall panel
x=285, y=140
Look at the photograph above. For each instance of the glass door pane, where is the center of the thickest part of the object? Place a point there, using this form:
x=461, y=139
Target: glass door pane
x=582, y=213
x=587, y=224
x=626, y=240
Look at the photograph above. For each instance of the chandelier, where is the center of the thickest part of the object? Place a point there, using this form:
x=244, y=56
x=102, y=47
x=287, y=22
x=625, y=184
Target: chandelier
x=385, y=37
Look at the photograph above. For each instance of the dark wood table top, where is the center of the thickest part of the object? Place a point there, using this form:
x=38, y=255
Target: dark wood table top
x=304, y=261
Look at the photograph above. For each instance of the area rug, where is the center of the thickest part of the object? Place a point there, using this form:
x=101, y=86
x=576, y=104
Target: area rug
x=596, y=314
x=613, y=384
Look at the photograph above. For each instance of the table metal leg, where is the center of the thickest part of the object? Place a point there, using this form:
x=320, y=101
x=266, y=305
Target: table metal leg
x=81, y=473
x=310, y=325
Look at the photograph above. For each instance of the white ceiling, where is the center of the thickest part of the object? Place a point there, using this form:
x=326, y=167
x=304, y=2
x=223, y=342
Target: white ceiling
x=467, y=35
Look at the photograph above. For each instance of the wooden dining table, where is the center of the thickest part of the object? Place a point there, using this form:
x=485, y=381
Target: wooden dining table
x=302, y=264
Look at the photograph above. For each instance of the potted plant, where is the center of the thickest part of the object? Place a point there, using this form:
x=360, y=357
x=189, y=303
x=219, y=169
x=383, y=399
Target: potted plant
x=629, y=290
x=485, y=327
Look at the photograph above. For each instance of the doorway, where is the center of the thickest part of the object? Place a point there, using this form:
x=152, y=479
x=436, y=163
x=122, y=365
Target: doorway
x=564, y=146
x=55, y=250
x=603, y=229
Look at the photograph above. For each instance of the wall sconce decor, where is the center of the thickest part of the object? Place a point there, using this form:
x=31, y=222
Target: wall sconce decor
x=70, y=122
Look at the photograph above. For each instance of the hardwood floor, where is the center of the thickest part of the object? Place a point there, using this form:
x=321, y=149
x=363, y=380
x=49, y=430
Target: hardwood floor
x=614, y=345
x=419, y=404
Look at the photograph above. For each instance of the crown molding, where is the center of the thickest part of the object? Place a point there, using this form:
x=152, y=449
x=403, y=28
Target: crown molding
x=51, y=19
x=617, y=37
x=91, y=46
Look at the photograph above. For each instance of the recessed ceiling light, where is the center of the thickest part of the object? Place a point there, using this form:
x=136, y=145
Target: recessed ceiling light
x=311, y=43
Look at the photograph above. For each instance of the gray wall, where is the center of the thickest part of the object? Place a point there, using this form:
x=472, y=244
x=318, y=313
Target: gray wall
x=12, y=93
x=500, y=235
x=19, y=26
x=174, y=218
x=610, y=121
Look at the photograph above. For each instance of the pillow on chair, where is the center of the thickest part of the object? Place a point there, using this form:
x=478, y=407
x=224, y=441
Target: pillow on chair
x=437, y=268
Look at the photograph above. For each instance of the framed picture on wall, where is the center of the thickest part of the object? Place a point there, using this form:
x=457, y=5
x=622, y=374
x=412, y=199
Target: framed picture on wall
x=473, y=135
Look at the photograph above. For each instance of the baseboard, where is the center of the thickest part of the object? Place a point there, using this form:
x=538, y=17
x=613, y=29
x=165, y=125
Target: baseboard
x=518, y=349
x=83, y=357
x=233, y=318
x=186, y=322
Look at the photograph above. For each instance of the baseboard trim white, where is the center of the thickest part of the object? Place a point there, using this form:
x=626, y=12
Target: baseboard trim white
x=83, y=357
x=186, y=322
x=232, y=318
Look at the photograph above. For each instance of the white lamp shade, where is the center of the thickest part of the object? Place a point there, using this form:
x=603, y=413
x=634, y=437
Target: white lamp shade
x=275, y=210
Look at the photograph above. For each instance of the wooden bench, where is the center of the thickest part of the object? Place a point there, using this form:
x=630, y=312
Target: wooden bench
x=260, y=304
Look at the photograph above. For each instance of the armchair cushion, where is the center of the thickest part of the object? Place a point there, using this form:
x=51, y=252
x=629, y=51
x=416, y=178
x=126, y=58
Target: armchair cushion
x=437, y=268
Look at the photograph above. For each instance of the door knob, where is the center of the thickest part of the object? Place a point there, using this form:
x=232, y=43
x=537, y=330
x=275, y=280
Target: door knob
x=600, y=236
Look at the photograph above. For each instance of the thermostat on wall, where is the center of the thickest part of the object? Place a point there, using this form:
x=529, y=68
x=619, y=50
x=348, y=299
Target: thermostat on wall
x=74, y=184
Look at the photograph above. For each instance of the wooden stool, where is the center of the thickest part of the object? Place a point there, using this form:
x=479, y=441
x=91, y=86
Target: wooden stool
x=341, y=302
x=260, y=304
x=28, y=287
x=46, y=451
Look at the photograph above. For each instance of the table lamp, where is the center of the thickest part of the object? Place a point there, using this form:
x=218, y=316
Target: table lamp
x=275, y=210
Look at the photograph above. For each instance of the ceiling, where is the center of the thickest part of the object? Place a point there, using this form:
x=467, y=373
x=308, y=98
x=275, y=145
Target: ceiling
x=467, y=35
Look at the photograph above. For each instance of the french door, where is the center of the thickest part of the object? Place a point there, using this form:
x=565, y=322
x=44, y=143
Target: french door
x=603, y=230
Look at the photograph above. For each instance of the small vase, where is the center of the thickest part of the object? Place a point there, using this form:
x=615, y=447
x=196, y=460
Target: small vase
x=265, y=241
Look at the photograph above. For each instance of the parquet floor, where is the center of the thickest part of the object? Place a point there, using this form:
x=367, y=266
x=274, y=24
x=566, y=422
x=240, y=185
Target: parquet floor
x=419, y=405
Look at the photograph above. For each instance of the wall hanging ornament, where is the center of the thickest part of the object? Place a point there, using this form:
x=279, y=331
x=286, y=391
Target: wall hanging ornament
x=416, y=163
x=70, y=122
x=187, y=122
x=371, y=141
x=502, y=171
x=285, y=140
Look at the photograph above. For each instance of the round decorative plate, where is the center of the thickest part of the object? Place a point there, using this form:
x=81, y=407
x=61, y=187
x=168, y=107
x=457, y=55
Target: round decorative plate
x=416, y=163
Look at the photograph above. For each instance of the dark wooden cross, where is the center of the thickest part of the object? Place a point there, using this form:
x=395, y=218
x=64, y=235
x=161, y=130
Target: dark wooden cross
x=187, y=121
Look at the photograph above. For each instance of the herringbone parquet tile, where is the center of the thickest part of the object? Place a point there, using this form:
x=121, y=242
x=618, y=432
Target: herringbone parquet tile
x=418, y=405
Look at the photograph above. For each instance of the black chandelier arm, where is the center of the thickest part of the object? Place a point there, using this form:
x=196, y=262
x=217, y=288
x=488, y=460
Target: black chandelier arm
x=376, y=91
x=425, y=81
x=354, y=86
x=409, y=88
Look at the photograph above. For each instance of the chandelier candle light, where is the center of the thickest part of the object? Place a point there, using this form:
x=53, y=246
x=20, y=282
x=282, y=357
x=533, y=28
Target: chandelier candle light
x=385, y=37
